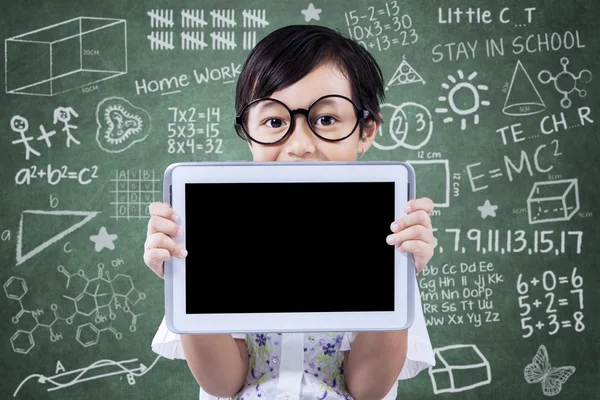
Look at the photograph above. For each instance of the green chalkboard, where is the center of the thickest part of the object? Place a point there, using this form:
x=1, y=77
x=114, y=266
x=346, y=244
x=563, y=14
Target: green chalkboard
x=493, y=103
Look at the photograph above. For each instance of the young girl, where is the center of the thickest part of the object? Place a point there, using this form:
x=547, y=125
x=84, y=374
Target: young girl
x=301, y=67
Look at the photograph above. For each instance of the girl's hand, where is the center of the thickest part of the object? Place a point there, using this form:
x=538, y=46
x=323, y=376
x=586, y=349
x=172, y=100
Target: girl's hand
x=414, y=233
x=159, y=245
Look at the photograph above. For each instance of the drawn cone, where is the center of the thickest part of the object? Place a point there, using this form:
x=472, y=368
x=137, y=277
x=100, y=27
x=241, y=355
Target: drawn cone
x=522, y=97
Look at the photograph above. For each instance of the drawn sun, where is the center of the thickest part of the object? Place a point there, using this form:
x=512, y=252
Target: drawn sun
x=465, y=88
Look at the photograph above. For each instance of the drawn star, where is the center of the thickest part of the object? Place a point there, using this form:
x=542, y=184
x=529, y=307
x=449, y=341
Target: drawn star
x=311, y=13
x=103, y=239
x=487, y=209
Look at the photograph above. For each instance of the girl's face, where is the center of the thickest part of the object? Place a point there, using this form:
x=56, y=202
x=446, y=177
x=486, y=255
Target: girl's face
x=301, y=144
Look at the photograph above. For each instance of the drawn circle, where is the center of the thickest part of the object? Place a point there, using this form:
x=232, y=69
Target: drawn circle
x=81, y=272
x=585, y=76
x=417, y=126
x=119, y=335
x=15, y=320
x=19, y=124
x=545, y=77
x=582, y=93
x=53, y=307
x=132, y=328
x=565, y=82
x=565, y=103
x=456, y=88
x=142, y=296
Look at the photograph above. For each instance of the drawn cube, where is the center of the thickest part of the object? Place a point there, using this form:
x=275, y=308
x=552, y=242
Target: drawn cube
x=65, y=56
x=553, y=201
x=459, y=368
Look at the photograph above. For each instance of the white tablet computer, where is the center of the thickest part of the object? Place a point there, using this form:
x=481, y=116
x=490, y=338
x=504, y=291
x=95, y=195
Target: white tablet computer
x=288, y=247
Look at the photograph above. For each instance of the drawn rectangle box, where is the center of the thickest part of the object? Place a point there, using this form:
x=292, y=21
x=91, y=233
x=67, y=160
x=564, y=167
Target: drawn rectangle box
x=459, y=368
x=553, y=201
x=65, y=56
x=435, y=175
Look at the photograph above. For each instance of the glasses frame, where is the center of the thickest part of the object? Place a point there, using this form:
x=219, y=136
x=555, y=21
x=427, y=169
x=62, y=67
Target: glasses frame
x=360, y=114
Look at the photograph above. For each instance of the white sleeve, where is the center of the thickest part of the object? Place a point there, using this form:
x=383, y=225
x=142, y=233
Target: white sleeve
x=168, y=344
x=419, y=355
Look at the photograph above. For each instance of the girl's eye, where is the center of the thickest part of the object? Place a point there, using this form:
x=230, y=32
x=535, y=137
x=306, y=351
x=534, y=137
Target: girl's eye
x=278, y=123
x=327, y=120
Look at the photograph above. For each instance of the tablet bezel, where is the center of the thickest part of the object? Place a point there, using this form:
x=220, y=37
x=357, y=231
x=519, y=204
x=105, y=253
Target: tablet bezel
x=178, y=174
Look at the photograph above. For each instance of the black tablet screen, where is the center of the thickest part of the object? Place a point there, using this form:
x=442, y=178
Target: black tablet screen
x=289, y=247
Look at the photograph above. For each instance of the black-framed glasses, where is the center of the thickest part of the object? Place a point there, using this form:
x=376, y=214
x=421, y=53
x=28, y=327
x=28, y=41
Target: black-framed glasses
x=268, y=121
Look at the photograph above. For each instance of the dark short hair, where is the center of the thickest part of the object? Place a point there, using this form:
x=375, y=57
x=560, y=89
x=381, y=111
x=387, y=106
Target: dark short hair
x=287, y=54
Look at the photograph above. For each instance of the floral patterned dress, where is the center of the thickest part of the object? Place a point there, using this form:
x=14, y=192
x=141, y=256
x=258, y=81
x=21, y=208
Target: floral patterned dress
x=323, y=365
x=297, y=366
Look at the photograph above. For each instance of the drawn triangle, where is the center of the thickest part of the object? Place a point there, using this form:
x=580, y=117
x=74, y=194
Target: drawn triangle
x=404, y=75
x=56, y=227
x=522, y=98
